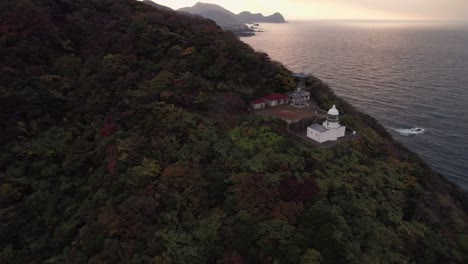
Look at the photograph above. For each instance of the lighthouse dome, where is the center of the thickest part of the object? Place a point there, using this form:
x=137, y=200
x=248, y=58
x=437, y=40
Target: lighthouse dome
x=333, y=111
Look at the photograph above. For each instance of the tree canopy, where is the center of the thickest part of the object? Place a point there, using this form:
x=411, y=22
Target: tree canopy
x=124, y=139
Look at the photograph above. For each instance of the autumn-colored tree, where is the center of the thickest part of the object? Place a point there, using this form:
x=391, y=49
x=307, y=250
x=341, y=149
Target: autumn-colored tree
x=108, y=128
x=231, y=257
x=254, y=195
x=181, y=176
x=288, y=211
x=292, y=190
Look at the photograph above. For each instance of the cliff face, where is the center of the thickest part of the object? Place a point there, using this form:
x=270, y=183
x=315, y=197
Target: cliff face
x=125, y=139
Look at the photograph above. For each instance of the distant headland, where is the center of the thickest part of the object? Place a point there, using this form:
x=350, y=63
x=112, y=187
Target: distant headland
x=231, y=21
x=237, y=23
x=226, y=18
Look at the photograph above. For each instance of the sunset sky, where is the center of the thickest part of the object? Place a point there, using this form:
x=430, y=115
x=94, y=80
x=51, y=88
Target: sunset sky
x=343, y=9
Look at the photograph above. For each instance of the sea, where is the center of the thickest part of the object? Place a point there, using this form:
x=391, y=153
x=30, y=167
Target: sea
x=412, y=76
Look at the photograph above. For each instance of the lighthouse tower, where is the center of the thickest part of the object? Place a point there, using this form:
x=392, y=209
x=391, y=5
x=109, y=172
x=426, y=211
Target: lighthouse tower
x=329, y=130
x=332, y=121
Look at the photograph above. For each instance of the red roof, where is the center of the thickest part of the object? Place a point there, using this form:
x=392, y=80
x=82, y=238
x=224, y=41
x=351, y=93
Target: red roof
x=275, y=96
x=259, y=101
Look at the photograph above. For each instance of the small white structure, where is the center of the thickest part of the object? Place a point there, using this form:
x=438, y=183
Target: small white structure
x=319, y=133
x=275, y=99
x=257, y=104
x=330, y=130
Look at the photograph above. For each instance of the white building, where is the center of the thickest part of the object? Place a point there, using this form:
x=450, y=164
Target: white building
x=275, y=99
x=330, y=130
x=257, y=104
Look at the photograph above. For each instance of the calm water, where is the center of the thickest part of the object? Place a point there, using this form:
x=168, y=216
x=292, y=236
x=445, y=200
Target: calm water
x=405, y=74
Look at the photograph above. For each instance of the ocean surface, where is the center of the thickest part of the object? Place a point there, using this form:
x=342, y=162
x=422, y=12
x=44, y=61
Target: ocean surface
x=406, y=74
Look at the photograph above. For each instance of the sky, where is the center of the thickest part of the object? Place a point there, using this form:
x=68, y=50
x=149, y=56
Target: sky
x=343, y=9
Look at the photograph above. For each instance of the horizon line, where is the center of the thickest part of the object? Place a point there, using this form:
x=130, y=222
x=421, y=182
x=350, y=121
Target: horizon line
x=381, y=19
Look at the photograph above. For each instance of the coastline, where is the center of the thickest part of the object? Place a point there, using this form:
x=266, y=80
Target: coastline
x=393, y=96
x=435, y=177
x=435, y=180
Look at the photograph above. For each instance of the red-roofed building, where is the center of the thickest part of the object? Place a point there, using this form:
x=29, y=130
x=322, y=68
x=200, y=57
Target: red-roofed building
x=257, y=104
x=276, y=99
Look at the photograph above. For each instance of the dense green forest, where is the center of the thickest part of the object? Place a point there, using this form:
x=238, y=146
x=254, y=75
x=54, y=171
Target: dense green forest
x=125, y=139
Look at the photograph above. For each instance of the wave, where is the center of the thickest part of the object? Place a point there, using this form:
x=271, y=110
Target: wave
x=409, y=131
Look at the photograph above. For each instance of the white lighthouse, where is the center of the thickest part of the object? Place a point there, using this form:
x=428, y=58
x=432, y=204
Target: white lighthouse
x=330, y=129
x=332, y=121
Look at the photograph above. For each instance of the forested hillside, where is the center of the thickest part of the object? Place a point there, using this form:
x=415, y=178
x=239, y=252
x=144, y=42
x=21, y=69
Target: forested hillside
x=125, y=139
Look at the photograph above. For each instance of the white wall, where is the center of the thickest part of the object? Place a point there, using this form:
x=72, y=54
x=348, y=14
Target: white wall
x=321, y=137
x=271, y=103
x=258, y=106
x=340, y=132
x=329, y=135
